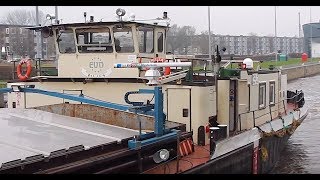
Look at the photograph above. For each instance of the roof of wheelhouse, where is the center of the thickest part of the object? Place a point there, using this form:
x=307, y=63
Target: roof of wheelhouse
x=95, y=24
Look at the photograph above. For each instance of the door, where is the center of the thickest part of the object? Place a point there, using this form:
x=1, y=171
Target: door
x=179, y=106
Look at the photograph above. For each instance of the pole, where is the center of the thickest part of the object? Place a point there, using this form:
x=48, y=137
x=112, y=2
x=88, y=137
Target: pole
x=210, y=53
x=56, y=14
x=310, y=35
x=214, y=63
x=275, y=31
x=299, y=26
x=39, y=54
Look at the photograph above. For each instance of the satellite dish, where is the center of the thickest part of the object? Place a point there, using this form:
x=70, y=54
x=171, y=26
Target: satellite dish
x=46, y=32
x=248, y=63
x=161, y=155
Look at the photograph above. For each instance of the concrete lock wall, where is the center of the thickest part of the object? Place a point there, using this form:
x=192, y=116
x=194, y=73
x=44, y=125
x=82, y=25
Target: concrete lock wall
x=301, y=71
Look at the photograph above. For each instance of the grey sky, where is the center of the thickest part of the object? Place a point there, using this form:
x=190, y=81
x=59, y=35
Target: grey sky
x=232, y=20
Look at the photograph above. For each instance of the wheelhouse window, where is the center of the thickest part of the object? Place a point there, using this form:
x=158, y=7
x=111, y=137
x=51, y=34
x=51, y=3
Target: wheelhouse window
x=262, y=95
x=271, y=92
x=160, y=42
x=146, y=40
x=123, y=39
x=65, y=41
x=91, y=40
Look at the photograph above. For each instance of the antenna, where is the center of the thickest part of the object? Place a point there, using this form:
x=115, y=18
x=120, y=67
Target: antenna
x=85, y=17
x=91, y=18
x=165, y=15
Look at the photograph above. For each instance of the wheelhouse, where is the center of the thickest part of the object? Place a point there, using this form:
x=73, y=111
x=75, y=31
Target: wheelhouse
x=89, y=50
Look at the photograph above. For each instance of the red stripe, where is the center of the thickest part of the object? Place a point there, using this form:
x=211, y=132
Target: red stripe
x=185, y=147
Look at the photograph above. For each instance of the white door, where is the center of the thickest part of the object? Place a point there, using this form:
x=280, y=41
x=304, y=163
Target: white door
x=179, y=106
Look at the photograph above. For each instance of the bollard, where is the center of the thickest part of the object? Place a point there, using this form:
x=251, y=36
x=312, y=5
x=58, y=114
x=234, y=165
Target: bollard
x=223, y=133
x=213, y=138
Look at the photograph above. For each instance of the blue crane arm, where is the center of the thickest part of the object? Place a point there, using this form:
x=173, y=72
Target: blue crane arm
x=159, y=127
x=77, y=98
x=5, y=90
x=69, y=97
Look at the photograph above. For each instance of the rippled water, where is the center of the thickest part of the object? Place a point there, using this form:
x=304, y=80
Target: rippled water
x=302, y=153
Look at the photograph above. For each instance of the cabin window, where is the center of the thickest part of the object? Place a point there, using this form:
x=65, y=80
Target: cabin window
x=66, y=41
x=145, y=40
x=13, y=30
x=123, y=40
x=262, y=95
x=272, y=93
x=91, y=40
x=160, y=42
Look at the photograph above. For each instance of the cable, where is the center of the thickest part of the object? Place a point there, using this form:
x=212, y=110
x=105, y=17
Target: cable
x=188, y=161
x=161, y=164
x=152, y=98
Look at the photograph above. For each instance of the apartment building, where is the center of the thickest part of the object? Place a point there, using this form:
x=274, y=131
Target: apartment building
x=16, y=41
x=247, y=45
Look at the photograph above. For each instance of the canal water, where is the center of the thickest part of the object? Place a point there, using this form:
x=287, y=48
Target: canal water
x=302, y=153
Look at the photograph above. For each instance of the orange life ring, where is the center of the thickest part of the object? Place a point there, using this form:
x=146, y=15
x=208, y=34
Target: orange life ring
x=29, y=68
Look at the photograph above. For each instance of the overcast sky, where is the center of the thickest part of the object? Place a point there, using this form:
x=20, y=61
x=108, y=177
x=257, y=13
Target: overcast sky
x=232, y=20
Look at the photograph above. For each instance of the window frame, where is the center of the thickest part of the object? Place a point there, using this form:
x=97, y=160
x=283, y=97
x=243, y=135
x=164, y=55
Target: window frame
x=7, y=31
x=263, y=104
x=272, y=100
x=58, y=42
x=144, y=39
x=13, y=30
x=161, y=44
x=97, y=30
x=114, y=31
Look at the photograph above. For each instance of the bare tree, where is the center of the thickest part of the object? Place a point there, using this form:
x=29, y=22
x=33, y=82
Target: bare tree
x=23, y=17
x=21, y=39
x=179, y=38
x=252, y=34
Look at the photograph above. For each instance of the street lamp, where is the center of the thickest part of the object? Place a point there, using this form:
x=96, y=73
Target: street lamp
x=275, y=32
x=209, y=33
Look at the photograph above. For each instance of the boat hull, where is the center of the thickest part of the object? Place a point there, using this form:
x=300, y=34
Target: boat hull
x=242, y=159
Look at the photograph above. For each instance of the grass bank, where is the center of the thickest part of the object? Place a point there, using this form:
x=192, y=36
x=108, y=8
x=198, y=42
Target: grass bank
x=3, y=84
x=289, y=62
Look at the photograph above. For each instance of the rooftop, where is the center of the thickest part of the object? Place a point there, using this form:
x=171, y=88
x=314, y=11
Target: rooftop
x=97, y=24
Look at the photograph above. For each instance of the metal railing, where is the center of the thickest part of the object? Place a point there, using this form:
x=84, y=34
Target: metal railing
x=199, y=67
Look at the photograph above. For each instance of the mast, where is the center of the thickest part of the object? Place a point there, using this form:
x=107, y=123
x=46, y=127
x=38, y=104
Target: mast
x=214, y=62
